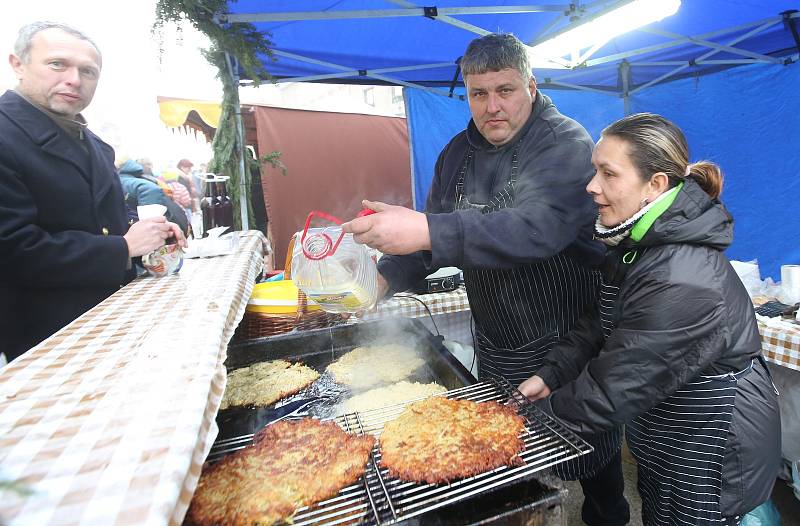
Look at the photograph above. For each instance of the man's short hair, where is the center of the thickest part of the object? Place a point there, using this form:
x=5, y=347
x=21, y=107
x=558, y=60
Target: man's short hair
x=185, y=162
x=22, y=47
x=496, y=52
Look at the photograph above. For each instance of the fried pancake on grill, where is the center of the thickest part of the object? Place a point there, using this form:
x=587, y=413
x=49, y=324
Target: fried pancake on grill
x=264, y=383
x=390, y=395
x=438, y=440
x=374, y=365
x=292, y=464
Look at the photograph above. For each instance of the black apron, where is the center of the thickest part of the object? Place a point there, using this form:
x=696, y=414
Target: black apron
x=522, y=312
x=679, y=445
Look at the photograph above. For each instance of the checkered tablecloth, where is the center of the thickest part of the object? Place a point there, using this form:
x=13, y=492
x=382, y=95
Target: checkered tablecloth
x=413, y=305
x=781, y=344
x=109, y=420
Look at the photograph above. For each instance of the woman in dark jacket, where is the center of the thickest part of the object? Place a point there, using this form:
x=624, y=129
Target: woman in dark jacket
x=672, y=350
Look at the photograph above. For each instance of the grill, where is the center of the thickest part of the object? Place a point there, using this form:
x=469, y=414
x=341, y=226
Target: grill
x=381, y=499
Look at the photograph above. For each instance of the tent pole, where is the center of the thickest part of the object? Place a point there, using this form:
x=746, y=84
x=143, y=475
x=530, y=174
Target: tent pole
x=447, y=19
x=549, y=83
x=455, y=77
x=625, y=74
x=372, y=73
x=711, y=53
x=672, y=43
x=791, y=22
x=386, y=13
x=233, y=69
x=719, y=47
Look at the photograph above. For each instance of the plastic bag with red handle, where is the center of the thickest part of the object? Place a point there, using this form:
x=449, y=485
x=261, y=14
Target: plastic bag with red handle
x=332, y=269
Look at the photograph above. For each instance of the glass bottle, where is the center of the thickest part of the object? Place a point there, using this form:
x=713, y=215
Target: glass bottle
x=224, y=208
x=208, y=206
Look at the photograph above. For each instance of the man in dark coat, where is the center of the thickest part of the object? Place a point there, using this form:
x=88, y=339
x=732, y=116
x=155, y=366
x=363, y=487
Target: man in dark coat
x=64, y=238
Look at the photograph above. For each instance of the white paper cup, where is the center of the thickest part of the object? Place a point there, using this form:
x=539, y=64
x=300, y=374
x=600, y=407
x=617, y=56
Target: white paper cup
x=148, y=211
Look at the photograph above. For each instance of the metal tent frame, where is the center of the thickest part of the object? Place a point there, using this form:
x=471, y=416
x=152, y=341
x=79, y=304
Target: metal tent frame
x=700, y=47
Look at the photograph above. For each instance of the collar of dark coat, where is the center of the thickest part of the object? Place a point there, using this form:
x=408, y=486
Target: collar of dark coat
x=478, y=141
x=48, y=136
x=73, y=126
x=41, y=129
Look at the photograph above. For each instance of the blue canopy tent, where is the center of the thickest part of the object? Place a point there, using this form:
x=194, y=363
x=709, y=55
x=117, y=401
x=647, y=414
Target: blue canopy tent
x=721, y=69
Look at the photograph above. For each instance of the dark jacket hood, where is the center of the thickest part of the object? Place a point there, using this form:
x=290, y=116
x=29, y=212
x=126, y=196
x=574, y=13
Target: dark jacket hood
x=131, y=169
x=693, y=218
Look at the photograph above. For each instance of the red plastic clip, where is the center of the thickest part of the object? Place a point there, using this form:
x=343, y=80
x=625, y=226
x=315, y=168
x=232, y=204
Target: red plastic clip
x=365, y=212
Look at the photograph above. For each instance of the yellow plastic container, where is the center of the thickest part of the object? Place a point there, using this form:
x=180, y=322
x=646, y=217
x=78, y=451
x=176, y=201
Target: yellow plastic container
x=276, y=297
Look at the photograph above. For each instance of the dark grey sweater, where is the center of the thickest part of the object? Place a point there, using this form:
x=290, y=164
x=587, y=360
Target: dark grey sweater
x=552, y=211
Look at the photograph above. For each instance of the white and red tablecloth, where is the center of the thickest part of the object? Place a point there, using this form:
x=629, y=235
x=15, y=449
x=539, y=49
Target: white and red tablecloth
x=780, y=343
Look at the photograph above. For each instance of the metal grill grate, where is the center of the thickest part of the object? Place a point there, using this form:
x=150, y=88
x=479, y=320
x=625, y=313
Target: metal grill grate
x=381, y=499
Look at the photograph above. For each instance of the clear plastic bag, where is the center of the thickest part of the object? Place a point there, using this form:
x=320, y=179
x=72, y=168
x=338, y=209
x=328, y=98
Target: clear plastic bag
x=332, y=269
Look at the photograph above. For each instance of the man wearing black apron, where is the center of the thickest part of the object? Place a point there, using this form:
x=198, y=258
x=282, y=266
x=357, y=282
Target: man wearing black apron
x=507, y=205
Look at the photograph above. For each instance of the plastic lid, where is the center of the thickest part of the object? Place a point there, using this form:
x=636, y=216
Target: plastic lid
x=276, y=297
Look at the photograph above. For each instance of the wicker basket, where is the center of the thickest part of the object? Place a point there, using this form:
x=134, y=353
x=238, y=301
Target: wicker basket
x=259, y=324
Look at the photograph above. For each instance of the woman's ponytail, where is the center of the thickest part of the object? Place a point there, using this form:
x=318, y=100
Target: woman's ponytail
x=708, y=175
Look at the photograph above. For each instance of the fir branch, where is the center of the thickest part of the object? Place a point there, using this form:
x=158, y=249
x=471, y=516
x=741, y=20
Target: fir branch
x=273, y=159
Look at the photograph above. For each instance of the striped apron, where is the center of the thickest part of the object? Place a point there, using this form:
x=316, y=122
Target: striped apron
x=679, y=444
x=521, y=313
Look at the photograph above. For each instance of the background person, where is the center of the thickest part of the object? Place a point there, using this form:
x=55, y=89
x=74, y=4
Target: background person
x=140, y=191
x=507, y=205
x=187, y=179
x=673, y=349
x=64, y=238
x=178, y=192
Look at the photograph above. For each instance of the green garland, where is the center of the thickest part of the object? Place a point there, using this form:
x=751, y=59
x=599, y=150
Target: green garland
x=244, y=42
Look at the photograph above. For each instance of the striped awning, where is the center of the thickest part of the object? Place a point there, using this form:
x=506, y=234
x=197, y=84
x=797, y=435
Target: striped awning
x=173, y=113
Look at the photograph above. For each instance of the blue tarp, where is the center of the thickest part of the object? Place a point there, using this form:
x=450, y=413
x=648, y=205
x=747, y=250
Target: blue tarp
x=744, y=119
x=432, y=121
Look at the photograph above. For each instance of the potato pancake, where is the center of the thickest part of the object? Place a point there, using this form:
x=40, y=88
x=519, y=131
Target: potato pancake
x=264, y=383
x=365, y=367
x=438, y=440
x=292, y=464
x=390, y=395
